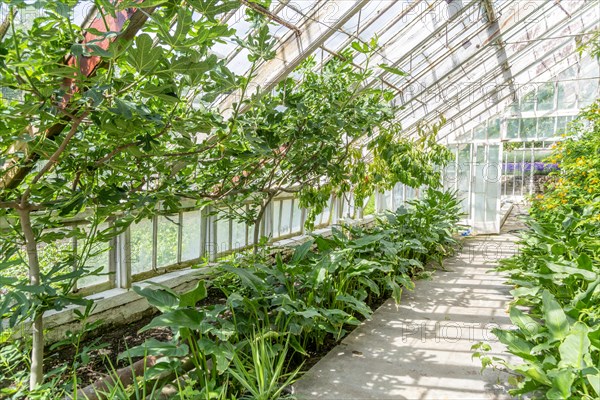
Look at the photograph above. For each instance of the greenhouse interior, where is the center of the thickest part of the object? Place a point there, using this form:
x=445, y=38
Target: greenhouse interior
x=301, y=199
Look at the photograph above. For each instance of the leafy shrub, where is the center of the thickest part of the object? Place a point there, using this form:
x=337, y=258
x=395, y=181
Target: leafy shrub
x=274, y=312
x=556, y=306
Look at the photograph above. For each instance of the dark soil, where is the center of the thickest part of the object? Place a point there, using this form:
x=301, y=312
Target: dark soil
x=108, y=342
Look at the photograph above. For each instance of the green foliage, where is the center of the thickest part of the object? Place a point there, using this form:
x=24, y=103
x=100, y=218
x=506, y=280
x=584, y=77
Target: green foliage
x=277, y=309
x=261, y=371
x=113, y=126
x=60, y=381
x=556, y=276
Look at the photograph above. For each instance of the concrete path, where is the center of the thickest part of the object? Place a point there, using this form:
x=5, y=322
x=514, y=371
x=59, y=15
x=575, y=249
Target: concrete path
x=421, y=349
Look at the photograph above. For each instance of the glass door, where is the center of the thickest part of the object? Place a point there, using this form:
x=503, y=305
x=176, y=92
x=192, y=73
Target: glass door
x=485, y=188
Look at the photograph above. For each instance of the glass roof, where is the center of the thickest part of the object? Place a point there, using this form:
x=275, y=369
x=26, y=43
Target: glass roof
x=462, y=58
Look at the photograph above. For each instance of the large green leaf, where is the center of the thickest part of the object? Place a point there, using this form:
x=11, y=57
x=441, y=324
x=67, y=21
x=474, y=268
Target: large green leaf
x=534, y=372
x=189, y=299
x=593, y=379
x=212, y=8
x=554, y=316
x=562, y=381
x=528, y=325
x=564, y=269
x=355, y=304
x=222, y=352
x=248, y=278
x=183, y=318
x=366, y=240
x=301, y=251
x=144, y=56
x=516, y=345
x=159, y=298
x=575, y=347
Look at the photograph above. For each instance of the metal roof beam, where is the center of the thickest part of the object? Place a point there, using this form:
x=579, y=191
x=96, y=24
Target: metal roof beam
x=488, y=78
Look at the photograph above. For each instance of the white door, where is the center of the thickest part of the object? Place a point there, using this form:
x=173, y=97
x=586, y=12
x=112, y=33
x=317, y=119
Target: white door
x=485, y=188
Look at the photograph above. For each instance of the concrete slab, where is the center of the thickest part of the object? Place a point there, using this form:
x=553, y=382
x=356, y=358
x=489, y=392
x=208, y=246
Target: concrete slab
x=421, y=348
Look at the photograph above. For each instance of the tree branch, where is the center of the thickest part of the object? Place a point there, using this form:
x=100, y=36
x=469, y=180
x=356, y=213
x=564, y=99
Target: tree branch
x=136, y=22
x=6, y=23
x=54, y=158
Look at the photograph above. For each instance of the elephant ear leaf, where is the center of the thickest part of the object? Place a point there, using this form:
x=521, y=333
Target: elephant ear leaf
x=555, y=317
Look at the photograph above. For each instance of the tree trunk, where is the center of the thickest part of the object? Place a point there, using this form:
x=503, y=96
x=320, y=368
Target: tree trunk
x=259, y=217
x=37, y=350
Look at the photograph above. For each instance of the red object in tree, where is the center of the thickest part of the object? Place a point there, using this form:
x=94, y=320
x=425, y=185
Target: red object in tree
x=88, y=64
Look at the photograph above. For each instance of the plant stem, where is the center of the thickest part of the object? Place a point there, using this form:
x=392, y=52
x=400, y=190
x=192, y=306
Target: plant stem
x=37, y=349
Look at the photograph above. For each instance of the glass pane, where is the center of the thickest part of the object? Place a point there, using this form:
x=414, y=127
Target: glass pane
x=528, y=128
x=528, y=102
x=493, y=130
x=388, y=200
x=326, y=213
x=398, y=195
x=297, y=218
x=98, y=257
x=276, y=212
x=561, y=125
x=479, y=207
x=567, y=95
x=512, y=129
x=587, y=92
x=251, y=234
x=239, y=234
x=190, y=241
x=490, y=208
x=141, y=246
x=222, y=234
x=546, y=127
x=545, y=97
x=479, y=132
x=167, y=237
x=286, y=209
x=464, y=175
